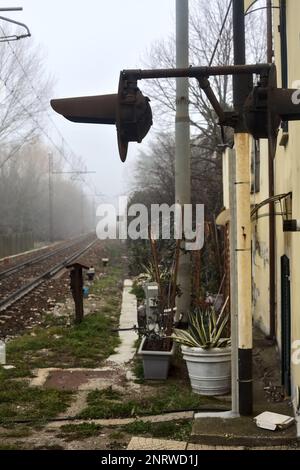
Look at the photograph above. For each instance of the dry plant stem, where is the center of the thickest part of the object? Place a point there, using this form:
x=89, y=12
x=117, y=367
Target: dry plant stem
x=156, y=268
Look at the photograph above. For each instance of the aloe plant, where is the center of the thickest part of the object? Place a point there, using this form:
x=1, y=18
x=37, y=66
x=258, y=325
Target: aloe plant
x=205, y=330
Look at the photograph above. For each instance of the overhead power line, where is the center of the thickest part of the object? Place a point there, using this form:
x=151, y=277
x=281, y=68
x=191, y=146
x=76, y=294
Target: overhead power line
x=220, y=33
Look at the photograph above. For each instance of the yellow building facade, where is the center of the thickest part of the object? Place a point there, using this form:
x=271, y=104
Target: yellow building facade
x=287, y=180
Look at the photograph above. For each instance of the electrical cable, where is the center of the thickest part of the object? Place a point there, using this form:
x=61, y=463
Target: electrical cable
x=220, y=34
x=215, y=51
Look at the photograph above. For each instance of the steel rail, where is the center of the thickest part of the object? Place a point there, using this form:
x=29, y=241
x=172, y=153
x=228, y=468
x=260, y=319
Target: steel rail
x=18, y=267
x=27, y=288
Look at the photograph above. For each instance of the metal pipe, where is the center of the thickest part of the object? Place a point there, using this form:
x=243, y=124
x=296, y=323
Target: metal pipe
x=272, y=224
x=283, y=39
x=196, y=72
x=269, y=32
x=243, y=220
x=205, y=86
x=284, y=53
x=183, y=150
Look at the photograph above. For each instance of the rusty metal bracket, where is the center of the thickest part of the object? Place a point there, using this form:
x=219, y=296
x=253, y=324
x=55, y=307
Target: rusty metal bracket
x=278, y=198
x=259, y=114
x=205, y=86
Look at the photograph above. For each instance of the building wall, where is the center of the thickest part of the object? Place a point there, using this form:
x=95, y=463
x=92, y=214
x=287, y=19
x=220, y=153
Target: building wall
x=287, y=169
x=260, y=248
x=287, y=179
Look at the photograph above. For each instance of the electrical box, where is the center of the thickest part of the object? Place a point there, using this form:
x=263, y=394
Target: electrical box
x=151, y=293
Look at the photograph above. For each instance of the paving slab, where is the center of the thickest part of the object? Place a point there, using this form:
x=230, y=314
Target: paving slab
x=79, y=379
x=238, y=432
x=203, y=447
x=128, y=319
x=141, y=443
x=268, y=396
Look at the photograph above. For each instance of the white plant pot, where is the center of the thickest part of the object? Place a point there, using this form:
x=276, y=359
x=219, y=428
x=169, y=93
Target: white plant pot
x=209, y=369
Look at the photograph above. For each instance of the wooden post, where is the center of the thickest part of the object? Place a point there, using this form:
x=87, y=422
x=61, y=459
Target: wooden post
x=76, y=279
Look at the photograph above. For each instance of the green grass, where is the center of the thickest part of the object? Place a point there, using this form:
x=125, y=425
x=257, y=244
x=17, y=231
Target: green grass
x=138, y=370
x=173, y=430
x=20, y=402
x=56, y=343
x=77, y=432
x=17, y=431
x=84, y=345
x=167, y=397
x=4, y=446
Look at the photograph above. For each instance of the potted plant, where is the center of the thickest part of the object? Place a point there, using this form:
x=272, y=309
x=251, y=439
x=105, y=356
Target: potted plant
x=157, y=345
x=156, y=351
x=207, y=351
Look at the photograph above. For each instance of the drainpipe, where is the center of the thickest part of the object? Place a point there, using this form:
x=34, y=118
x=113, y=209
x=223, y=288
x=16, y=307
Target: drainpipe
x=183, y=150
x=272, y=224
x=241, y=89
x=284, y=53
x=283, y=40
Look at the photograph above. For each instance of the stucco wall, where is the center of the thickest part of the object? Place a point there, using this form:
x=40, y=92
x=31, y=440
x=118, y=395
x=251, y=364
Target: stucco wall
x=287, y=179
x=260, y=247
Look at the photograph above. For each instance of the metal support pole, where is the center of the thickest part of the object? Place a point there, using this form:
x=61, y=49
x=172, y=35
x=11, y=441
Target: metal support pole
x=272, y=224
x=241, y=90
x=269, y=32
x=183, y=151
x=244, y=272
x=233, y=285
x=51, y=237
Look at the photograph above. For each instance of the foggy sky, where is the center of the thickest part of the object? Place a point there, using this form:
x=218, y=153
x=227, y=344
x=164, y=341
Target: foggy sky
x=86, y=44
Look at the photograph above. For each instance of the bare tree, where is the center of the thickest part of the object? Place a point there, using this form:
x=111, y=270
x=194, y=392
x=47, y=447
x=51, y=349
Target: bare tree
x=154, y=178
x=24, y=196
x=25, y=89
x=206, y=24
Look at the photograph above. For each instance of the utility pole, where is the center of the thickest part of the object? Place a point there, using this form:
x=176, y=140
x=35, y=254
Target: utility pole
x=50, y=157
x=82, y=228
x=241, y=89
x=272, y=224
x=183, y=149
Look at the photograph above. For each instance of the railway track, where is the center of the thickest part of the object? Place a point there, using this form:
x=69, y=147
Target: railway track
x=18, y=281
x=29, y=258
